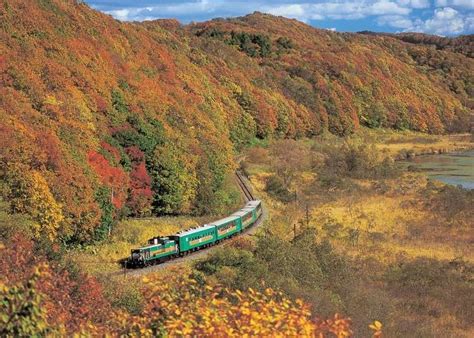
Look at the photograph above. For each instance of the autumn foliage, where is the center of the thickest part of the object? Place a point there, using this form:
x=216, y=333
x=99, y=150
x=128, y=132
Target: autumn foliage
x=143, y=119
x=112, y=177
x=25, y=273
x=186, y=305
x=177, y=304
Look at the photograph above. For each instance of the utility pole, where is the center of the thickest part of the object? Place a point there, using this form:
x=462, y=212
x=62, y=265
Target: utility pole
x=112, y=203
x=296, y=213
x=307, y=215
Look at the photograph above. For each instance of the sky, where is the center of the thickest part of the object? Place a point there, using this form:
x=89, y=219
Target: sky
x=440, y=17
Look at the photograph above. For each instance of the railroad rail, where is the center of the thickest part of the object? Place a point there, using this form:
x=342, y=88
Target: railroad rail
x=243, y=186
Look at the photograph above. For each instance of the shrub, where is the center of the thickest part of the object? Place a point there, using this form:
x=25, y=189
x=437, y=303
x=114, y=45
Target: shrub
x=21, y=312
x=358, y=161
x=188, y=305
x=453, y=203
x=277, y=189
x=425, y=281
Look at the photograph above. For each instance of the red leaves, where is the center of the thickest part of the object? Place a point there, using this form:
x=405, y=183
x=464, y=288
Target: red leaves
x=50, y=146
x=72, y=302
x=111, y=150
x=141, y=194
x=3, y=62
x=139, y=177
x=136, y=189
x=101, y=104
x=135, y=154
x=113, y=177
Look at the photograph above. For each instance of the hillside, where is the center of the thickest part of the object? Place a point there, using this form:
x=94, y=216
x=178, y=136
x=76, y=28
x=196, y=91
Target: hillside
x=463, y=44
x=102, y=119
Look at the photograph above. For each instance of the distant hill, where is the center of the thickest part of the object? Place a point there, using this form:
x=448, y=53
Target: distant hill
x=107, y=119
x=463, y=44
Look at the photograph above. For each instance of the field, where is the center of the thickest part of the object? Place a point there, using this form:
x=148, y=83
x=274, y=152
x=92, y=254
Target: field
x=404, y=238
x=360, y=210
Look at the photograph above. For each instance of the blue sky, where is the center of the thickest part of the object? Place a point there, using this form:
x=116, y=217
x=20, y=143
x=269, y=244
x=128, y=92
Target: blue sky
x=441, y=17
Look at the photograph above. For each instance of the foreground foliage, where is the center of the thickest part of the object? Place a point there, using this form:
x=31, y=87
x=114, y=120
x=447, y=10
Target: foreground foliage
x=190, y=306
x=176, y=303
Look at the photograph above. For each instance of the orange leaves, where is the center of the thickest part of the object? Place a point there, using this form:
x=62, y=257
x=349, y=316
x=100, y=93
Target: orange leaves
x=64, y=59
x=176, y=305
x=337, y=325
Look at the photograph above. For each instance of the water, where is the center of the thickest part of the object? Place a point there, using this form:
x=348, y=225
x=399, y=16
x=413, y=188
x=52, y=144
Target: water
x=455, y=168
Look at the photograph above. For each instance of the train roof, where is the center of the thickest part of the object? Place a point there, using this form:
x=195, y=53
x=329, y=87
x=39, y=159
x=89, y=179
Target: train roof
x=195, y=230
x=224, y=220
x=253, y=203
x=149, y=246
x=243, y=211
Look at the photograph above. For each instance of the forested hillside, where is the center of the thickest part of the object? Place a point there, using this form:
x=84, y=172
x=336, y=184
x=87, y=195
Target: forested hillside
x=463, y=44
x=101, y=119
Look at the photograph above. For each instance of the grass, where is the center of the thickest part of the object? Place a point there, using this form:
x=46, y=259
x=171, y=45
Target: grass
x=398, y=143
x=394, y=224
x=393, y=214
x=380, y=223
x=102, y=259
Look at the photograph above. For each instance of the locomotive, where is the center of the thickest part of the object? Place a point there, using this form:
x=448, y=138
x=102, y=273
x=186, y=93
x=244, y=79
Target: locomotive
x=160, y=249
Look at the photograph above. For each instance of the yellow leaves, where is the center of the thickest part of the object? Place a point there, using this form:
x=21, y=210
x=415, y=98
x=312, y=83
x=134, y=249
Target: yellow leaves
x=183, y=307
x=50, y=99
x=33, y=196
x=377, y=327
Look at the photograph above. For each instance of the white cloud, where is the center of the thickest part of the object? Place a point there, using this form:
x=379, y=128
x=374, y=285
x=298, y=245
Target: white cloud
x=303, y=10
x=445, y=21
x=448, y=17
x=463, y=4
x=170, y=9
x=121, y=14
x=347, y=10
x=415, y=3
x=396, y=21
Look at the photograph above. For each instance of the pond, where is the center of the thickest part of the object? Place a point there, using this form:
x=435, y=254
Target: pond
x=453, y=168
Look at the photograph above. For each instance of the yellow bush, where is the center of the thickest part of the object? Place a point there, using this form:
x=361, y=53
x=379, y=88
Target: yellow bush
x=31, y=194
x=184, y=306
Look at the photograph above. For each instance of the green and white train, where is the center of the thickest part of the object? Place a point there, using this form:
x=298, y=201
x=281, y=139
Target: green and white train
x=160, y=249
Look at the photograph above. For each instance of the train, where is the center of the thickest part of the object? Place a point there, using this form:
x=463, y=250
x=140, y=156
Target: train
x=163, y=248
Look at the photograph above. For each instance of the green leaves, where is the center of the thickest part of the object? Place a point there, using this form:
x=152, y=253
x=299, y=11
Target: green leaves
x=173, y=179
x=21, y=313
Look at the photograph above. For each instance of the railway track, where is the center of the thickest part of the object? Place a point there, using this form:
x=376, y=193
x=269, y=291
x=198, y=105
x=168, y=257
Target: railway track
x=248, y=196
x=244, y=187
